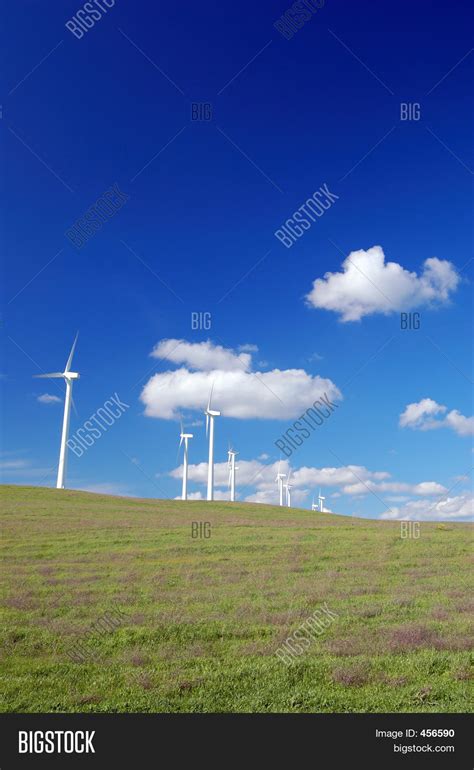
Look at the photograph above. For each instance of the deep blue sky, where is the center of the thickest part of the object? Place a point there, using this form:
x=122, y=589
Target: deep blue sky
x=201, y=215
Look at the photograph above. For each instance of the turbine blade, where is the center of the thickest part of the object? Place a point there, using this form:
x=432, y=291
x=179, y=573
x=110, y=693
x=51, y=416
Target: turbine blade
x=74, y=405
x=210, y=396
x=180, y=442
x=69, y=361
x=50, y=375
x=207, y=424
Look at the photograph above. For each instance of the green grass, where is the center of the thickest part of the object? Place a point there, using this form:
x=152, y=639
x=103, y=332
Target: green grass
x=203, y=618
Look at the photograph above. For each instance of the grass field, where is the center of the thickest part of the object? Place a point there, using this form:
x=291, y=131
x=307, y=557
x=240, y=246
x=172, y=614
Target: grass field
x=201, y=619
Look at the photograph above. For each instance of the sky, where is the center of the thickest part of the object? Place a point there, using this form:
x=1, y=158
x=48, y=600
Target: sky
x=202, y=130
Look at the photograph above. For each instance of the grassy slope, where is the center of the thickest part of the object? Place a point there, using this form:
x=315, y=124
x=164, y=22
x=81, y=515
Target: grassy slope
x=204, y=617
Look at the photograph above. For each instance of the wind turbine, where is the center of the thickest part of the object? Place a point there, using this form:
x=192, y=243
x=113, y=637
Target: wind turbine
x=69, y=378
x=210, y=414
x=288, y=487
x=314, y=506
x=279, y=480
x=321, y=500
x=184, y=437
x=232, y=468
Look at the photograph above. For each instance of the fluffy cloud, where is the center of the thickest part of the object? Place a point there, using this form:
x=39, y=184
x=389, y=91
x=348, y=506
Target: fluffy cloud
x=423, y=415
x=451, y=508
x=204, y=356
x=46, y=398
x=238, y=392
x=368, y=284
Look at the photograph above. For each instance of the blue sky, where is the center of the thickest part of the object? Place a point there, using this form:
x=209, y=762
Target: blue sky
x=197, y=234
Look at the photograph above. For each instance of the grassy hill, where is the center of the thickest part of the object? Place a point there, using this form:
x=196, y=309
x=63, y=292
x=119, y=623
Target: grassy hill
x=196, y=621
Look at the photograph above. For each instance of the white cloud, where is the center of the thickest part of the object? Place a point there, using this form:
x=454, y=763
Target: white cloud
x=451, y=508
x=47, y=398
x=421, y=415
x=368, y=284
x=416, y=414
x=424, y=488
x=238, y=392
x=204, y=356
x=464, y=426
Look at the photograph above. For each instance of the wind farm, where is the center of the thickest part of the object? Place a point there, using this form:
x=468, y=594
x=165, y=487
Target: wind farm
x=283, y=480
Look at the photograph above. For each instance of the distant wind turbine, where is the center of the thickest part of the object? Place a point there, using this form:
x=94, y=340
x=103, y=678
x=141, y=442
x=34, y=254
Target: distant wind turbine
x=288, y=487
x=321, y=500
x=69, y=378
x=184, y=437
x=279, y=480
x=232, y=468
x=314, y=506
x=210, y=414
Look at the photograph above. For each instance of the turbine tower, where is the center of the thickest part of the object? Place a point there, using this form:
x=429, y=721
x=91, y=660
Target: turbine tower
x=232, y=468
x=69, y=378
x=210, y=414
x=321, y=500
x=279, y=480
x=288, y=487
x=184, y=437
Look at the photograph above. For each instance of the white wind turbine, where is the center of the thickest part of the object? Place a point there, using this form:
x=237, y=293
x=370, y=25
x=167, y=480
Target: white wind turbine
x=232, y=468
x=314, y=506
x=288, y=488
x=279, y=480
x=321, y=500
x=69, y=378
x=210, y=414
x=184, y=437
